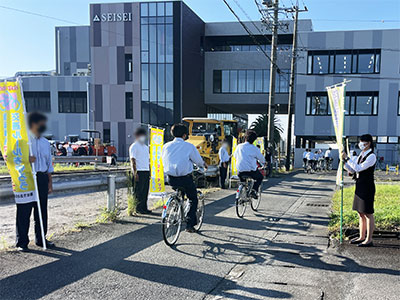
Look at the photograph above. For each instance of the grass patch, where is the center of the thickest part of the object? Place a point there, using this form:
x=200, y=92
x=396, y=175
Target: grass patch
x=387, y=208
x=109, y=216
x=58, y=168
x=81, y=226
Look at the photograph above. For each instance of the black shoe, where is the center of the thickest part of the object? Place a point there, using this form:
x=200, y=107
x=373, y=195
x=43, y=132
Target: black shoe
x=190, y=230
x=49, y=245
x=370, y=244
x=23, y=249
x=253, y=194
x=356, y=241
x=144, y=212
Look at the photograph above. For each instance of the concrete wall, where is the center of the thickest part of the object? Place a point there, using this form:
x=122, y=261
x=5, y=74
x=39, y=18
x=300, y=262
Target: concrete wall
x=59, y=124
x=72, y=49
x=109, y=42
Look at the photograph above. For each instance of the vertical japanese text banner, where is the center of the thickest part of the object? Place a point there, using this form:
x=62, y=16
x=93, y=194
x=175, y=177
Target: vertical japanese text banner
x=336, y=96
x=233, y=161
x=14, y=141
x=157, y=184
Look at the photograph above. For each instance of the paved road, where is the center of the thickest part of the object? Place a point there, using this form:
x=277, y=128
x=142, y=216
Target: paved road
x=278, y=252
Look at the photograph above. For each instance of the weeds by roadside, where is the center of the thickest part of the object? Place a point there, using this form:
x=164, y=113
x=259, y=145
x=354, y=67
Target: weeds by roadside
x=109, y=216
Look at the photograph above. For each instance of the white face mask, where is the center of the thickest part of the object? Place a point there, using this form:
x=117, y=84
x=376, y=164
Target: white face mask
x=362, y=146
x=142, y=139
x=225, y=145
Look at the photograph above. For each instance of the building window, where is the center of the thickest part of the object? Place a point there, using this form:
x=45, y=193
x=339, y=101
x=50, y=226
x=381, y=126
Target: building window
x=128, y=67
x=344, y=62
x=157, y=76
x=393, y=140
x=107, y=136
x=317, y=104
x=37, y=101
x=72, y=102
x=248, y=81
x=356, y=103
x=229, y=47
x=129, y=105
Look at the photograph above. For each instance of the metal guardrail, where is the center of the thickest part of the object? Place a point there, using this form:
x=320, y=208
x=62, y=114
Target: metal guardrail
x=77, y=159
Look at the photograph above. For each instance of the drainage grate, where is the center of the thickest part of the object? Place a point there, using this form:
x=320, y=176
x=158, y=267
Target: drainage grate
x=317, y=204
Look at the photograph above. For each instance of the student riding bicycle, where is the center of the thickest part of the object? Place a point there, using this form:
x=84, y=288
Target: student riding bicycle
x=247, y=155
x=178, y=158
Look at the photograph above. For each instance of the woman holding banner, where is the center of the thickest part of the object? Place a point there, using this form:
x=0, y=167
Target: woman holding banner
x=362, y=169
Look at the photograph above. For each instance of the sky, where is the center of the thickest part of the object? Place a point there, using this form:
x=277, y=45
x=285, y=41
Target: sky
x=27, y=41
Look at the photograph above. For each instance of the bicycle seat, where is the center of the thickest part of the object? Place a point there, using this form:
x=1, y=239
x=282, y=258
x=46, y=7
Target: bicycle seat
x=178, y=188
x=243, y=178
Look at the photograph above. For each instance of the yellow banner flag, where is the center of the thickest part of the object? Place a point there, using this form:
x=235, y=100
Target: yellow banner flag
x=260, y=142
x=337, y=97
x=14, y=141
x=157, y=184
x=233, y=160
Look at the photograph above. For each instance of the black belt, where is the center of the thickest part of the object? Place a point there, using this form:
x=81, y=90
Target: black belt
x=41, y=173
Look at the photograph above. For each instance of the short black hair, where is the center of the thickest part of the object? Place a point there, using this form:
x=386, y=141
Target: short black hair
x=179, y=130
x=251, y=136
x=367, y=138
x=35, y=117
x=140, y=131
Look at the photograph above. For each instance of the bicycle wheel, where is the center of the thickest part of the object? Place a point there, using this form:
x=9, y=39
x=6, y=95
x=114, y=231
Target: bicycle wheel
x=255, y=203
x=241, y=201
x=200, y=211
x=171, y=221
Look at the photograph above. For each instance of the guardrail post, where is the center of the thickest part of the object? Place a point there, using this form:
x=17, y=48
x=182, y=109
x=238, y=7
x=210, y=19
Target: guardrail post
x=111, y=192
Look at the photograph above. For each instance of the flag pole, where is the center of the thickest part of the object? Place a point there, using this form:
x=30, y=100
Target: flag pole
x=342, y=180
x=33, y=171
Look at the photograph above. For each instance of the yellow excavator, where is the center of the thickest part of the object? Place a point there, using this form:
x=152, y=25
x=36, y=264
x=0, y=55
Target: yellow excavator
x=207, y=136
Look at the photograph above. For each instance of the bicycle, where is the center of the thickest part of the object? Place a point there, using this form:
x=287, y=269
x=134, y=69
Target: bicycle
x=175, y=212
x=243, y=196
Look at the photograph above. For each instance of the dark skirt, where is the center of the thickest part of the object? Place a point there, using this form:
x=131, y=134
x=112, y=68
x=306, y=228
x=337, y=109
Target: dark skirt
x=364, y=197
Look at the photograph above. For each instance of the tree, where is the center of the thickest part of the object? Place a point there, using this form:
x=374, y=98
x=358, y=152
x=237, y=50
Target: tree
x=260, y=126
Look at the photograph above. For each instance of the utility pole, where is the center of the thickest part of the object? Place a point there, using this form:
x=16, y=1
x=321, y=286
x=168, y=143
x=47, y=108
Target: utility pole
x=273, y=68
x=296, y=11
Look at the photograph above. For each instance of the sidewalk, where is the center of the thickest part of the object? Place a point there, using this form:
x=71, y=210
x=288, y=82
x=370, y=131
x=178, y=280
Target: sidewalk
x=280, y=251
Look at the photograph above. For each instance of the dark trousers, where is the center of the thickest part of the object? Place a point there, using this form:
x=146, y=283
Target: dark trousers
x=222, y=176
x=24, y=213
x=141, y=190
x=256, y=175
x=186, y=183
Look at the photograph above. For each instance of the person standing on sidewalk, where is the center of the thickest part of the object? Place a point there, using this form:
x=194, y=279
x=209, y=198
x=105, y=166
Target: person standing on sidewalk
x=223, y=163
x=41, y=156
x=140, y=164
x=362, y=168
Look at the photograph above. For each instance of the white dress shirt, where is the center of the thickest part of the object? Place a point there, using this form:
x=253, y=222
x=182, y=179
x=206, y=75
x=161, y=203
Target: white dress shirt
x=353, y=166
x=246, y=156
x=70, y=151
x=305, y=154
x=310, y=156
x=179, y=156
x=42, y=151
x=328, y=153
x=223, y=155
x=140, y=152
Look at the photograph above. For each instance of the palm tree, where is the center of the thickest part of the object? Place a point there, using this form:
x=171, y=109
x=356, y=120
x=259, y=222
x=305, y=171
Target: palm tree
x=260, y=126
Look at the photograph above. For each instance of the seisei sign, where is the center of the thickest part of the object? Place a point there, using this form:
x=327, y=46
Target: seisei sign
x=113, y=17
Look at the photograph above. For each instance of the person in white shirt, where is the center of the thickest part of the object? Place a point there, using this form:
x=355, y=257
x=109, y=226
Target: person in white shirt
x=223, y=162
x=247, y=155
x=305, y=158
x=70, y=151
x=178, y=158
x=139, y=155
x=362, y=168
x=42, y=158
